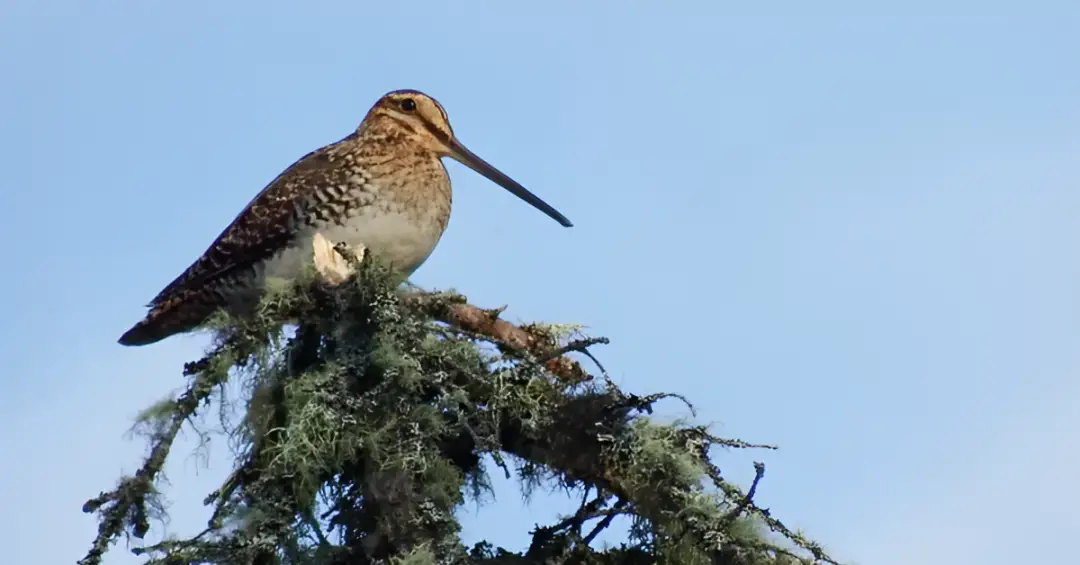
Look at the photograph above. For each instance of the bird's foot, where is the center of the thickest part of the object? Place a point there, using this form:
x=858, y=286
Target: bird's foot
x=333, y=266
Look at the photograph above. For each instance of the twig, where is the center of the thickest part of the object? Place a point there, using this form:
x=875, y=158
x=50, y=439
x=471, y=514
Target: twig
x=598, y=364
x=578, y=345
x=222, y=497
x=130, y=498
x=608, y=518
x=542, y=535
x=486, y=323
x=748, y=499
x=775, y=525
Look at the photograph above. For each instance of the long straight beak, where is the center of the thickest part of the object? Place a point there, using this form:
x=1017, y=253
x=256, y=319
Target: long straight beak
x=461, y=154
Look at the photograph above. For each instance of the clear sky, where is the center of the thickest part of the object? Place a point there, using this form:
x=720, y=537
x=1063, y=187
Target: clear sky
x=846, y=230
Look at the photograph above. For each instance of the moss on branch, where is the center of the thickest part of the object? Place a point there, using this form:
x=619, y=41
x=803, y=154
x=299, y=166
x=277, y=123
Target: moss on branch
x=365, y=431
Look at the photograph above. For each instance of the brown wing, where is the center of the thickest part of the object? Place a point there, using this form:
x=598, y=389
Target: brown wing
x=265, y=225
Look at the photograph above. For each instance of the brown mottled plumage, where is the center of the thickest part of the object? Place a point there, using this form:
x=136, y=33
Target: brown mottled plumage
x=383, y=186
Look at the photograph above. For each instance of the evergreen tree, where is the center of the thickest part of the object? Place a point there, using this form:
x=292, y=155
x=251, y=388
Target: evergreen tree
x=367, y=428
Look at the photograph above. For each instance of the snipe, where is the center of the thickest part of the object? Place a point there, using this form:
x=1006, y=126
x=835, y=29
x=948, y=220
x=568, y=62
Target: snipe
x=383, y=187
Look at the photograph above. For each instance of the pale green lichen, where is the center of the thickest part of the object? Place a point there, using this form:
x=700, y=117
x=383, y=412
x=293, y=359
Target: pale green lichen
x=367, y=429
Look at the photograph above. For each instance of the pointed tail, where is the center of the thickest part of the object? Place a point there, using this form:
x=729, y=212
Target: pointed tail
x=176, y=315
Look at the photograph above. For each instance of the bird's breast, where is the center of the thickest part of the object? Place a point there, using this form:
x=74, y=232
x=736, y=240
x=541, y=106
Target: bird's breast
x=403, y=237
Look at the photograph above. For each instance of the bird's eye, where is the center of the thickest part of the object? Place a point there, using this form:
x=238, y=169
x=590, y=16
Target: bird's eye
x=408, y=104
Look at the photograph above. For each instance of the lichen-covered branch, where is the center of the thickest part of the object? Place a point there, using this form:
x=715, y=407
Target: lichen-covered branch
x=366, y=431
x=128, y=507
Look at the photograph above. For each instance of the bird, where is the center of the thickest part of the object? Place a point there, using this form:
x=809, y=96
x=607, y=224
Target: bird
x=383, y=187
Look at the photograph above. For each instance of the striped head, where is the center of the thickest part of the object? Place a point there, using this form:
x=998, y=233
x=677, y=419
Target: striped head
x=420, y=122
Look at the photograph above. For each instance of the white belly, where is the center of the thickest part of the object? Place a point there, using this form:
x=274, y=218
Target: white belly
x=394, y=237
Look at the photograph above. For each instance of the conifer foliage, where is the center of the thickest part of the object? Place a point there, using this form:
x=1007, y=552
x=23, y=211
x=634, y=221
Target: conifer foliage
x=368, y=426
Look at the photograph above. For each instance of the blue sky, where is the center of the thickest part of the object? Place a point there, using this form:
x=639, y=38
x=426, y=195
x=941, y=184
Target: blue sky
x=847, y=230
